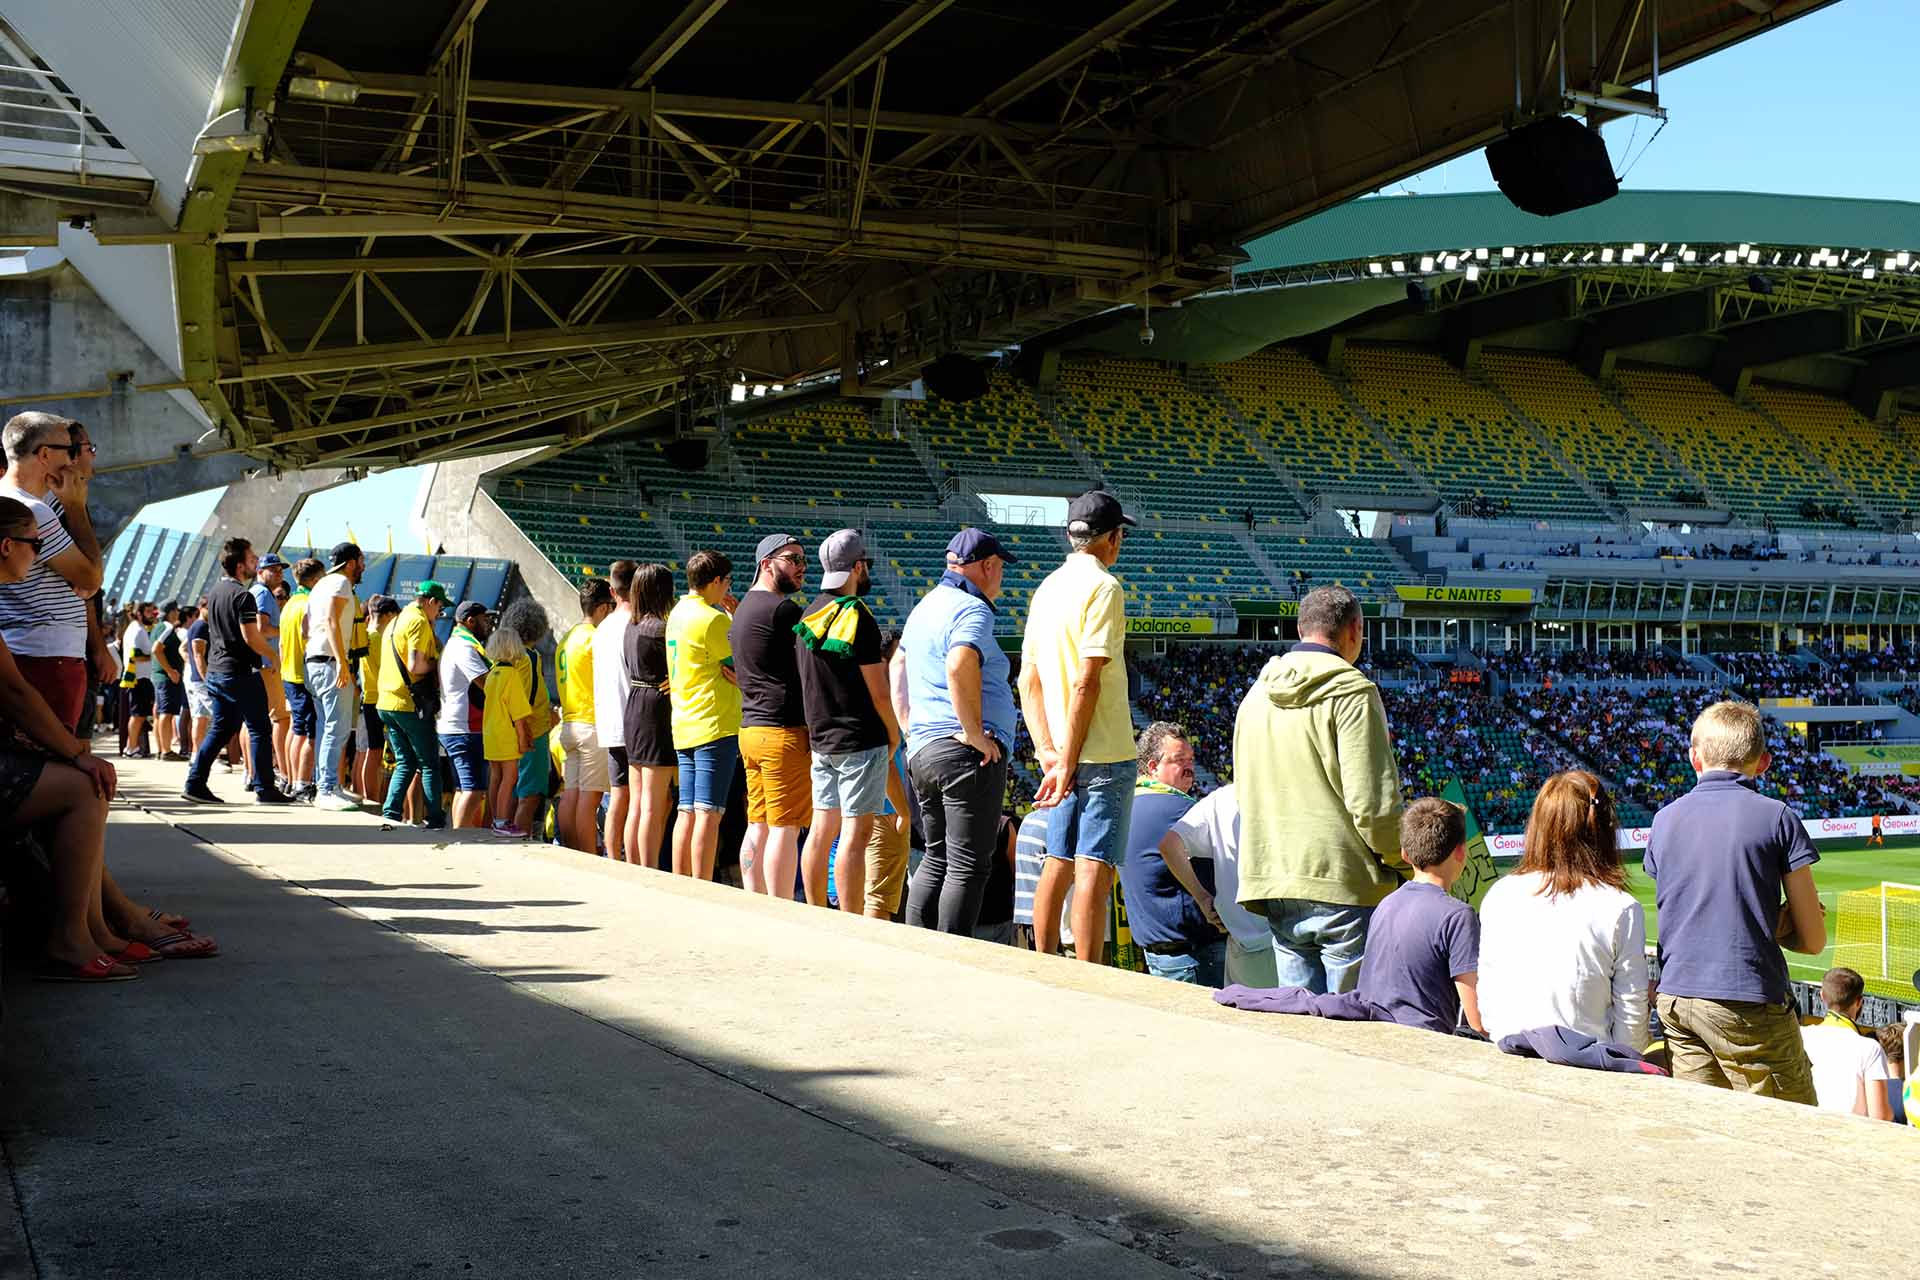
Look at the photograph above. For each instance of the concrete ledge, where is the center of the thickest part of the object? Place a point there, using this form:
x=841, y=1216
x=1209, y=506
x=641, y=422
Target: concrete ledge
x=424, y=1052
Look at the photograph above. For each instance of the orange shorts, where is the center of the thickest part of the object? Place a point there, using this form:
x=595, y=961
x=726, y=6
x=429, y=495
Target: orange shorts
x=779, y=775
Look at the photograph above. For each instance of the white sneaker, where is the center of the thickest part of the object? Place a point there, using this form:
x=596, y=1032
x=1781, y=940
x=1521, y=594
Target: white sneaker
x=336, y=803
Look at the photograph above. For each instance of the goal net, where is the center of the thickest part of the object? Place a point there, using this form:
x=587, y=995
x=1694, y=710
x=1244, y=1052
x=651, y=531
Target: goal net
x=1877, y=934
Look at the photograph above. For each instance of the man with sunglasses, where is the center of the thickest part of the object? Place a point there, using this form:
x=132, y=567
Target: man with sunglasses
x=45, y=619
x=773, y=719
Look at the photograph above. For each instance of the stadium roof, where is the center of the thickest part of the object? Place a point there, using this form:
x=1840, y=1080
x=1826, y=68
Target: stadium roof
x=1385, y=225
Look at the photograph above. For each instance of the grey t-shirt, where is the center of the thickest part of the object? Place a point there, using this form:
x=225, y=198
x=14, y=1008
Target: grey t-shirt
x=1420, y=940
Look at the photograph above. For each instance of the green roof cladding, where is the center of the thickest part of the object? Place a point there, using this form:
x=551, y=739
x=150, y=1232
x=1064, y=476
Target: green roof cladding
x=1379, y=226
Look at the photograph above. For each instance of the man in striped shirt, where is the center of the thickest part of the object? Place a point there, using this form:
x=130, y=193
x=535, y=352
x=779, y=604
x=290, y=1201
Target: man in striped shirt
x=44, y=619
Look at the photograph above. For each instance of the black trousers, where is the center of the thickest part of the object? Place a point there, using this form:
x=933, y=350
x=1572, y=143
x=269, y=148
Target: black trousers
x=960, y=803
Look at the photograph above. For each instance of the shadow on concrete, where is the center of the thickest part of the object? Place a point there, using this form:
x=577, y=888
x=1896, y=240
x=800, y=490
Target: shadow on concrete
x=369, y=886
x=443, y=904
x=366, y=1105
x=429, y=925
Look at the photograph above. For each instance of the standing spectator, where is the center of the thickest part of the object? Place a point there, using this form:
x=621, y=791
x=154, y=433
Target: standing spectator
x=44, y=618
x=1169, y=904
x=1073, y=691
x=610, y=690
x=583, y=763
x=1319, y=797
x=194, y=653
x=303, y=722
x=958, y=709
x=169, y=692
x=773, y=717
x=463, y=701
x=136, y=644
x=409, y=672
x=850, y=722
x=507, y=730
x=266, y=600
x=705, y=700
x=237, y=649
x=651, y=759
x=1721, y=857
x=1209, y=833
x=1562, y=942
x=332, y=613
x=1849, y=1068
x=533, y=771
x=370, y=736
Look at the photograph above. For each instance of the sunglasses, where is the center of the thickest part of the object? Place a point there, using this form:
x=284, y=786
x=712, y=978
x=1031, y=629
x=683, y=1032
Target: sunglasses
x=35, y=543
x=71, y=450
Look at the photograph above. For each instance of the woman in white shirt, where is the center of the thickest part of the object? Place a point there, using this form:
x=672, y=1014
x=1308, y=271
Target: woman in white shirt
x=1562, y=942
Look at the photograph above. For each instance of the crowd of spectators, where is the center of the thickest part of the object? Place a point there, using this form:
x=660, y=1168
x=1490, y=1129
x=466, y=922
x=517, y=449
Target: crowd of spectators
x=1532, y=665
x=1887, y=662
x=1772, y=675
x=1453, y=732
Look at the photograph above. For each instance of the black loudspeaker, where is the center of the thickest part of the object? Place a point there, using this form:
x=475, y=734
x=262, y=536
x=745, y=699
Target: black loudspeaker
x=1554, y=165
x=687, y=455
x=956, y=378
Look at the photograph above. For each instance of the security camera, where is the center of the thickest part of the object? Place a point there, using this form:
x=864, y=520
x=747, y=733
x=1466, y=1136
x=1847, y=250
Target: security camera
x=1146, y=334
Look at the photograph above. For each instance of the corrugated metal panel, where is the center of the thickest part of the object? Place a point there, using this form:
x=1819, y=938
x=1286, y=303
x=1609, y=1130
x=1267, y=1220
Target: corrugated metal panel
x=1382, y=225
x=148, y=68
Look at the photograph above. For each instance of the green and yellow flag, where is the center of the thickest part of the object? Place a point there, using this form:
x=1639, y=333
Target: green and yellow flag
x=1480, y=873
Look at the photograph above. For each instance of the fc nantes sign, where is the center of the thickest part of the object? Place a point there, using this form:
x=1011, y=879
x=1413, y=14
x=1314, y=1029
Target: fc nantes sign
x=1466, y=595
x=1169, y=626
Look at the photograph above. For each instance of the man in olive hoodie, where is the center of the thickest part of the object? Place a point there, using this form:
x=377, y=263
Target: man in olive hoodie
x=1319, y=798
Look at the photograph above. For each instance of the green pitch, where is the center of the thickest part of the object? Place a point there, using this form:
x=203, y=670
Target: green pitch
x=1843, y=865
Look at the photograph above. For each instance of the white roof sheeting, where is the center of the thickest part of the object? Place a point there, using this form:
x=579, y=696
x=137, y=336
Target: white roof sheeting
x=147, y=68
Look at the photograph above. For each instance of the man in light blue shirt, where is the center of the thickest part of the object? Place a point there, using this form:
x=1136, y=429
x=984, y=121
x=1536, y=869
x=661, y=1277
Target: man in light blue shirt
x=957, y=705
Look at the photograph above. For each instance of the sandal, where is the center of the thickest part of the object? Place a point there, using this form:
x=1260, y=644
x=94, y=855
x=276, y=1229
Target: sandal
x=137, y=952
x=185, y=946
x=172, y=922
x=101, y=968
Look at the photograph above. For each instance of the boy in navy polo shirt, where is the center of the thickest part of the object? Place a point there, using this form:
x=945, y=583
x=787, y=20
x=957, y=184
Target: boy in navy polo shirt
x=1422, y=965
x=1721, y=857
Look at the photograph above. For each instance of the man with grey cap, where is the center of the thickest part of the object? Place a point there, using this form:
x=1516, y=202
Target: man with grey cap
x=332, y=611
x=960, y=719
x=1073, y=690
x=850, y=724
x=773, y=717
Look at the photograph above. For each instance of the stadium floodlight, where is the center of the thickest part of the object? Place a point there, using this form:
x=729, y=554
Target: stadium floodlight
x=1867, y=274
x=1887, y=265
x=1479, y=255
x=315, y=79
x=1902, y=258
x=1426, y=262
x=1731, y=256
x=1374, y=268
x=1451, y=261
x=1606, y=255
x=759, y=389
x=1666, y=268
x=778, y=387
x=1688, y=255
x=1473, y=272
x=1539, y=257
x=736, y=393
x=1506, y=253
x=1399, y=267
x=1638, y=247
x=1587, y=256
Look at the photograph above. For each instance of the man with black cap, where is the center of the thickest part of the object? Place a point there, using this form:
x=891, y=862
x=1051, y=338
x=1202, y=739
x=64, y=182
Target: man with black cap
x=409, y=669
x=463, y=704
x=773, y=717
x=332, y=610
x=1073, y=691
x=850, y=724
x=960, y=721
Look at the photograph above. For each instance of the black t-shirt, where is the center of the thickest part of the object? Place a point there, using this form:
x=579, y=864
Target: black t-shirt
x=840, y=712
x=230, y=606
x=646, y=649
x=171, y=647
x=763, y=659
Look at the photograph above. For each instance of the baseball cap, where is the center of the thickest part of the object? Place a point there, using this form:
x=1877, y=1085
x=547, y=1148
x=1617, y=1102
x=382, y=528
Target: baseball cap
x=344, y=552
x=773, y=544
x=970, y=546
x=272, y=560
x=431, y=590
x=838, y=554
x=467, y=609
x=1096, y=512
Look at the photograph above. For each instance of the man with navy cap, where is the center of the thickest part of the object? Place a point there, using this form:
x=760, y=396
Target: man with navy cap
x=960, y=718
x=1073, y=691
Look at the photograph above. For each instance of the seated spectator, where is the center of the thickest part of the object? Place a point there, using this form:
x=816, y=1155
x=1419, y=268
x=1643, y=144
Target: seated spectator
x=1849, y=1067
x=1422, y=963
x=1209, y=836
x=1169, y=908
x=1721, y=857
x=1562, y=942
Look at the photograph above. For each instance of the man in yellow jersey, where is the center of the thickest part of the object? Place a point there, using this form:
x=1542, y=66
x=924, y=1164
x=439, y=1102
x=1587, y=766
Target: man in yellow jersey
x=705, y=700
x=303, y=722
x=410, y=669
x=583, y=768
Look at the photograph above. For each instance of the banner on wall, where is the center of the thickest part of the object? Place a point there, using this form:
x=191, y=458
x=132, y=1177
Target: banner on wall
x=1634, y=839
x=1465, y=595
x=1169, y=626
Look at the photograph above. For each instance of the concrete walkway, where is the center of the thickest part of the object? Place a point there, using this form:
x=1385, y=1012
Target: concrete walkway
x=424, y=1056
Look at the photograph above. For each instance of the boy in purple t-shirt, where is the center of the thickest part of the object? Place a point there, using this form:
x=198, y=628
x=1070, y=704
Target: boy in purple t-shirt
x=1721, y=858
x=1422, y=964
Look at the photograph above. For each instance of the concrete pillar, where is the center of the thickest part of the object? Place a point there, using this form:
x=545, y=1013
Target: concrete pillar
x=458, y=513
x=264, y=509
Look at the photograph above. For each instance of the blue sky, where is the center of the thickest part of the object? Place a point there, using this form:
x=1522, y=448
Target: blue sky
x=1820, y=107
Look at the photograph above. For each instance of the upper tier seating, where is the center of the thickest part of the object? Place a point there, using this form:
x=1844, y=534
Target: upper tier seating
x=1460, y=435
x=1885, y=473
x=1005, y=434
x=830, y=453
x=1303, y=419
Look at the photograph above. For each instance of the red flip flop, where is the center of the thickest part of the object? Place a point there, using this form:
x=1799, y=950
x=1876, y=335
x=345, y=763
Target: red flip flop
x=137, y=952
x=185, y=946
x=101, y=968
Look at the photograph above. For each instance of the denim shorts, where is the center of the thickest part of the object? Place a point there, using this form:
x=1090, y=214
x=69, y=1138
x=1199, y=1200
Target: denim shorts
x=855, y=782
x=306, y=721
x=706, y=774
x=1095, y=816
x=469, y=760
x=199, y=701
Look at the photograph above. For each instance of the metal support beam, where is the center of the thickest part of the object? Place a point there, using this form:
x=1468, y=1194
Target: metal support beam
x=1884, y=375
x=1677, y=315
x=1801, y=333
x=1470, y=324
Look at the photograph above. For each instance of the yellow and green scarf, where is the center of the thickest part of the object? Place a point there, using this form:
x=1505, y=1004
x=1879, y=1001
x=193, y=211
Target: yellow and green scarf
x=830, y=629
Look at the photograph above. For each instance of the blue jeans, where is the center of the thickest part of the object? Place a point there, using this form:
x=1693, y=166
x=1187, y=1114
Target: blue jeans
x=1317, y=945
x=706, y=774
x=1095, y=816
x=332, y=703
x=469, y=760
x=1204, y=966
x=416, y=752
x=237, y=700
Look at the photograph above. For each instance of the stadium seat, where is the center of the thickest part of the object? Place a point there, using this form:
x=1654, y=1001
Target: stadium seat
x=1303, y=419
x=1004, y=436
x=1883, y=471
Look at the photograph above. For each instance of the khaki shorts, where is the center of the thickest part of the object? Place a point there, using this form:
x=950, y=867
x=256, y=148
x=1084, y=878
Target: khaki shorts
x=276, y=697
x=886, y=865
x=584, y=764
x=779, y=775
x=1734, y=1044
